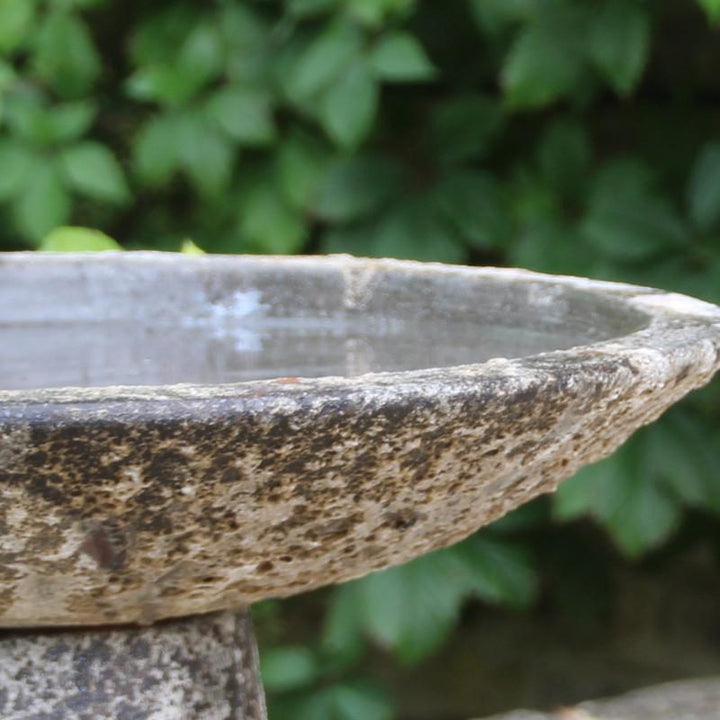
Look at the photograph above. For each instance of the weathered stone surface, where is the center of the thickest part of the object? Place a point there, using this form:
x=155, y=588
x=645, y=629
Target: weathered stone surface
x=131, y=504
x=686, y=700
x=202, y=667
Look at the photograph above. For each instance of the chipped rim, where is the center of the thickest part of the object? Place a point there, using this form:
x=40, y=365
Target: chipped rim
x=677, y=325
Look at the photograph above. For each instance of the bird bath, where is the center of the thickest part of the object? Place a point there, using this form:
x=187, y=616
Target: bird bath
x=189, y=435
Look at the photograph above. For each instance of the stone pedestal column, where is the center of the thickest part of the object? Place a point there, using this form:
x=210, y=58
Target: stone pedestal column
x=198, y=668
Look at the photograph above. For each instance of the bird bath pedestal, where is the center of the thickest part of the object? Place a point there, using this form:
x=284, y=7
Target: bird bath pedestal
x=181, y=437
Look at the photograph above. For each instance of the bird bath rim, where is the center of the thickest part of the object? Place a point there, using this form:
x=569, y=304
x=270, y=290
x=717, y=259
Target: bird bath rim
x=654, y=310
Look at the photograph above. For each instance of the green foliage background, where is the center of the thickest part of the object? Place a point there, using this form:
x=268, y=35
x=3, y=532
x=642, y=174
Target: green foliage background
x=569, y=136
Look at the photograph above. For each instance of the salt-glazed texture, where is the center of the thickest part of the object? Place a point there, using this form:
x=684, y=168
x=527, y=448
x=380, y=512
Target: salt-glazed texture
x=197, y=669
x=133, y=504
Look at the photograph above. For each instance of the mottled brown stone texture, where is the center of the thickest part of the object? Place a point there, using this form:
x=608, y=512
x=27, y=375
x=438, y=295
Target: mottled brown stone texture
x=196, y=669
x=133, y=504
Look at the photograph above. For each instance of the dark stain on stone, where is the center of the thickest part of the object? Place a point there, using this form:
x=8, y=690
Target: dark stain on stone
x=99, y=545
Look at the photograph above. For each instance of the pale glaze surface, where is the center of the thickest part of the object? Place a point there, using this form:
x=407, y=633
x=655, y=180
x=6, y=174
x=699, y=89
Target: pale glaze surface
x=134, y=504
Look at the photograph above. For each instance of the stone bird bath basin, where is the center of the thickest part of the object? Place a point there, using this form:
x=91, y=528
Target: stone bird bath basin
x=181, y=435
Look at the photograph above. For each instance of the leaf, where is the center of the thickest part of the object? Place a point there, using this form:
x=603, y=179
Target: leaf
x=245, y=115
x=627, y=498
x=16, y=162
x=157, y=38
x=704, y=189
x=302, y=164
x=540, y=68
x=327, y=58
x=310, y=8
x=29, y=118
x=627, y=220
x=287, y=668
x=77, y=239
x=349, y=106
x=201, y=53
x=494, y=16
x=473, y=204
x=399, y=57
x=497, y=571
x=464, y=128
x=339, y=702
x=64, y=53
x=683, y=452
x=207, y=156
x=410, y=609
x=92, y=170
x=169, y=85
x=619, y=43
x=16, y=20
x=267, y=222
x=374, y=13
x=564, y=157
x=157, y=149
x=712, y=9
x=188, y=247
x=44, y=205
x=412, y=230
x=343, y=629
x=356, y=187
x=69, y=121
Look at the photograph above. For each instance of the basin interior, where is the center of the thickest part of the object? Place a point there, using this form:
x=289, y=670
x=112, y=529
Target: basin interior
x=141, y=319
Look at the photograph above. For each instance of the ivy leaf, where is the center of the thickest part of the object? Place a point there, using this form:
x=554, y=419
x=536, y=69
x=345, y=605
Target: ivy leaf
x=77, y=239
x=619, y=43
x=245, y=115
x=92, y=170
x=704, y=189
x=349, y=106
x=399, y=57
x=65, y=55
x=45, y=203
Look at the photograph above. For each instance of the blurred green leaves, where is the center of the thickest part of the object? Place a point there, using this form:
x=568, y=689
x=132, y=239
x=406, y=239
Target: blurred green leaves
x=411, y=609
x=638, y=493
x=549, y=134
